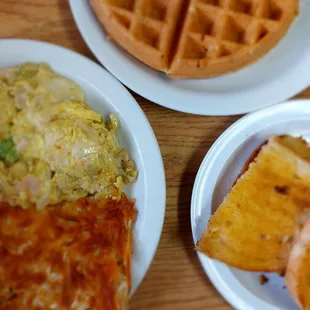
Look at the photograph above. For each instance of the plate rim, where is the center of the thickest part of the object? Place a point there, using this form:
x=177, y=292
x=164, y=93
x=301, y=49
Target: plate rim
x=198, y=102
x=157, y=162
x=244, y=300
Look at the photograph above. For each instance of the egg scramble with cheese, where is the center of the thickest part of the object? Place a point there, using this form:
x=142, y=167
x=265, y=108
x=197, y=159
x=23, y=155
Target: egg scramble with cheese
x=52, y=146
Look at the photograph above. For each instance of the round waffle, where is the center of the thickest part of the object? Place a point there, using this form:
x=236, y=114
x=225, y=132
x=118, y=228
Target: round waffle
x=196, y=38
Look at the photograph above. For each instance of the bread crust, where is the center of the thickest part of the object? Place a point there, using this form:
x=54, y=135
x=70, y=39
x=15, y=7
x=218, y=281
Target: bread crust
x=298, y=269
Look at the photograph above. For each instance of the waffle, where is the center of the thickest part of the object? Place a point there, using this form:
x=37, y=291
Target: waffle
x=144, y=28
x=196, y=38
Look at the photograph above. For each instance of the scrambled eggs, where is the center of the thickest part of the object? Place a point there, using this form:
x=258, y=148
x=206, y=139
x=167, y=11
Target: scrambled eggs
x=52, y=146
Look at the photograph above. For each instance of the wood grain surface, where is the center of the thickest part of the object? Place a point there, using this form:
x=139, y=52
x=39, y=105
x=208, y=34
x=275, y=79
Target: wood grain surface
x=175, y=279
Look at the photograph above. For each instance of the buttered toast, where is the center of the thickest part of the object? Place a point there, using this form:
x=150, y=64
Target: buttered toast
x=298, y=269
x=255, y=227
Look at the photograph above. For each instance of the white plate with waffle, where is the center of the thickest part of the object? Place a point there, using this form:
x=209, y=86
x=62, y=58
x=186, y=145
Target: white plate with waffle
x=280, y=74
x=105, y=95
x=218, y=171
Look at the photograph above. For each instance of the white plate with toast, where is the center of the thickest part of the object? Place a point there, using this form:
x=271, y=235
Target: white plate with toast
x=217, y=173
x=104, y=94
x=279, y=75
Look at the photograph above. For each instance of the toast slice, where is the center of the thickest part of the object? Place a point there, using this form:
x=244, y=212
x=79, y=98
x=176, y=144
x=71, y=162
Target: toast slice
x=298, y=269
x=255, y=226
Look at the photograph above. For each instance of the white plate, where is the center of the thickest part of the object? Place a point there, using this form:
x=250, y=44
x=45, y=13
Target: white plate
x=216, y=174
x=105, y=94
x=281, y=74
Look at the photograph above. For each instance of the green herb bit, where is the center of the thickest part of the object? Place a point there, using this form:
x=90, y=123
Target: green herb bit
x=8, y=152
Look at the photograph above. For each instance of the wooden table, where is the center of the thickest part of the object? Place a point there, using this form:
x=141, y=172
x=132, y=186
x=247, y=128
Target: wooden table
x=175, y=279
